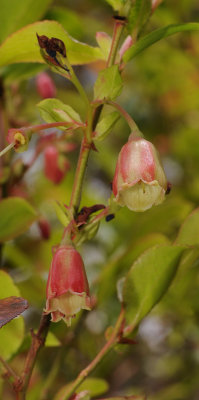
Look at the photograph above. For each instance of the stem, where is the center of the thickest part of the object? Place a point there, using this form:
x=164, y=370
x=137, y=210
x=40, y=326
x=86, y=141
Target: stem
x=76, y=83
x=38, y=341
x=6, y=149
x=92, y=119
x=100, y=356
x=79, y=175
x=9, y=369
x=118, y=29
x=79, y=87
x=134, y=128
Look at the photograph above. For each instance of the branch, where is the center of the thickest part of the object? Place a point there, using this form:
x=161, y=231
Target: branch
x=99, y=357
x=38, y=341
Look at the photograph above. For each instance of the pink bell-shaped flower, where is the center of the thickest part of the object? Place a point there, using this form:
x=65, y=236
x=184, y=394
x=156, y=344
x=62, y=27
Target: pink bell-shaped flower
x=139, y=181
x=67, y=287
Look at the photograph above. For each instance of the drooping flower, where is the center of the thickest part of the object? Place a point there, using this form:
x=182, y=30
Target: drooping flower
x=139, y=181
x=67, y=287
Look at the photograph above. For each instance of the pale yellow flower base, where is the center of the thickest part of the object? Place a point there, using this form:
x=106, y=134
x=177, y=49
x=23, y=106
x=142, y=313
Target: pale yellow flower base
x=141, y=196
x=67, y=306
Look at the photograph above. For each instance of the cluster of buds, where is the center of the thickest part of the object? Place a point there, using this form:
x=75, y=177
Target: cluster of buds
x=67, y=287
x=139, y=181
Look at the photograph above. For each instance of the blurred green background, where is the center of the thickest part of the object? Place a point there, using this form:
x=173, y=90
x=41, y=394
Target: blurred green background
x=161, y=92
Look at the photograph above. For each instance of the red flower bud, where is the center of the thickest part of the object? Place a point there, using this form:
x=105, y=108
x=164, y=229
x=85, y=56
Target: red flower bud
x=55, y=165
x=139, y=181
x=67, y=287
x=45, y=86
x=44, y=227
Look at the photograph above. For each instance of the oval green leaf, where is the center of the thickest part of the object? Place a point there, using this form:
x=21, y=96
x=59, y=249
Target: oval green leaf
x=20, y=14
x=189, y=231
x=16, y=215
x=22, y=46
x=118, y=266
x=148, y=280
x=11, y=335
x=157, y=35
x=53, y=110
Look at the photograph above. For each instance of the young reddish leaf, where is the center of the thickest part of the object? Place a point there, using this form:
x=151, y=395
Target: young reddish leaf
x=104, y=41
x=11, y=307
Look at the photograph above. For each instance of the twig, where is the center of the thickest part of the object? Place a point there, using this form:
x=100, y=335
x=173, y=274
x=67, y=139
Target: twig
x=99, y=357
x=38, y=340
x=10, y=371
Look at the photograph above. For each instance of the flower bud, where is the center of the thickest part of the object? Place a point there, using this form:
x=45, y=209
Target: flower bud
x=44, y=228
x=55, y=165
x=139, y=181
x=67, y=287
x=19, y=138
x=45, y=86
x=125, y=46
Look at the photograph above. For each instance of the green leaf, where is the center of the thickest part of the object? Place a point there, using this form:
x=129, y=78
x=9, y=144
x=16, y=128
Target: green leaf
x=116, y=4
x=52, y=340
x=69, y=19
x=108, y=84
x=23, y=46
x=61, y=213
x=16, y=215
x=53, y=110
x=19, y=72
x=139, y=15
x=11, y=335
x=148, y=280
x=105, y=125
x=94, y=386
x=157, y=35
x=118, y=266
x=20, y=13
x=189, y=231
x=104, y=41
